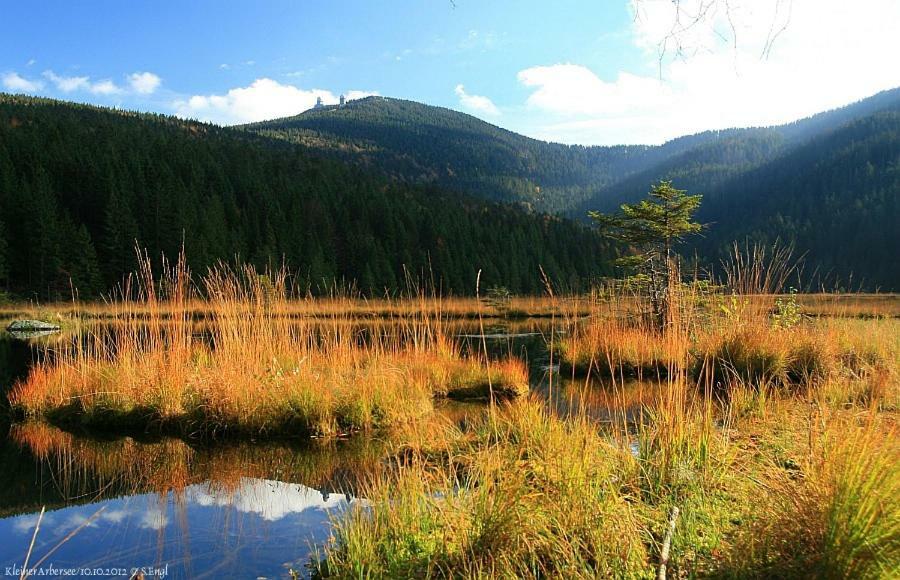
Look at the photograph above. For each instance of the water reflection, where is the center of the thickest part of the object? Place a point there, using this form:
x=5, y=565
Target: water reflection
x=261, y=528
x=229, y=510
x=239, y=510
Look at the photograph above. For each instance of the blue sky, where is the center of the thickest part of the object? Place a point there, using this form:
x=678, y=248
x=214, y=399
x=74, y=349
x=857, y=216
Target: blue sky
x=578, y=72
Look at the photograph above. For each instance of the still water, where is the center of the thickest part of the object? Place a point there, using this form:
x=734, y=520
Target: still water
x=182, y=509
x=260, y=528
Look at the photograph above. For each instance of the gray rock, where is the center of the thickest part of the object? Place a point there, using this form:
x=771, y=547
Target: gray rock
x=27, y=335
x=31, y=326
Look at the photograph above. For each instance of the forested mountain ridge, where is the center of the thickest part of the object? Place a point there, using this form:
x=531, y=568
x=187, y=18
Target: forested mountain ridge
x=413, y=142
x=836, y=198
x=80, y=185
x=827, y=184
x=699, y=167
x=714, y=157
x=417, y=143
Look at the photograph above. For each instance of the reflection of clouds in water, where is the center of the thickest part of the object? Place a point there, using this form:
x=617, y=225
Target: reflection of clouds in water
x=270, y=500
x=114, y=516
x=59, y=522
x=154, y=518
x=76, y=520
x=267, y=499
x=27, y=523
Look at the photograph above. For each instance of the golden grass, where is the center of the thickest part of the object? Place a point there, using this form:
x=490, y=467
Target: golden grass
x=341, y=304
x=250, y=370
x=776, y=442
x=773, y=431
x=825, y=491
x=523, y=495
x=613, y=347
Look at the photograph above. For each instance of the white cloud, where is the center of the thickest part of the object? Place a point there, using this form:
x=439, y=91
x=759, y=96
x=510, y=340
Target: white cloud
x=114, y=516
x=575, y=89
x=76, y=520
x=105, y=87
x=28, y=522
x=264, y=99
x=476, y=103
x=15, y=83
x=354, y=95
x=144, y=83
x=67, y=84
x=140, y=82
x=154, y=518
x=831, y=53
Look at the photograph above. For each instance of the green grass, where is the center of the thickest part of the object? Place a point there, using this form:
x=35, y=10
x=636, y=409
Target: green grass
x=520, y=494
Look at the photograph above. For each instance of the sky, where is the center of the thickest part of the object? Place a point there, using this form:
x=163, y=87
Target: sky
x=586, y=72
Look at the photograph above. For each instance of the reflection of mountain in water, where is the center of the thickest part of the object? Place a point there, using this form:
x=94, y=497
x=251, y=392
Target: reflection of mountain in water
x=48, y=466
x=270, y=500
x=236, y=510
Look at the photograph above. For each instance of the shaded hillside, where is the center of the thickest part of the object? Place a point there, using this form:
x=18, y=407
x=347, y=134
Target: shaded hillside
x=418, y=143
x=827, y=184
x=837, y=198
x=79, y=185
x=698, y=168
x=704, y=161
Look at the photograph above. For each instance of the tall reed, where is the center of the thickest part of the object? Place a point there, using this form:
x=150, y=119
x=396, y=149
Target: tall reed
x=244, y=367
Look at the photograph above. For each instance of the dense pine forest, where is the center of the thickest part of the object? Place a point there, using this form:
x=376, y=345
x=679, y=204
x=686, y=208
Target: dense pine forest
x=379, y=189
x=80, y=187
x=810, y=183
x=836, y=198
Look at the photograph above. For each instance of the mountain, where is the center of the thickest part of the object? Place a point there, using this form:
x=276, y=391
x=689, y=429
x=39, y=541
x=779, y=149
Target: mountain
x=81, y=185
x=416, y=143
x=706, y=160
x=759, y=184
x=379, y=188
x=828, y=184
x=836, y=198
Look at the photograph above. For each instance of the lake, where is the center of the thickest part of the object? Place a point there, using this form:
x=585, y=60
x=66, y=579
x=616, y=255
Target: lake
x=193, y=509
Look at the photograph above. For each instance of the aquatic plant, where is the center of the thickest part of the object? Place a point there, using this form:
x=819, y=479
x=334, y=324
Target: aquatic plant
x=245, y=368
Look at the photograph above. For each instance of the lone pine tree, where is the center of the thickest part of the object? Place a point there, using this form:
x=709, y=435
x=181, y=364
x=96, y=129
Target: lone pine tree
x=653, y=227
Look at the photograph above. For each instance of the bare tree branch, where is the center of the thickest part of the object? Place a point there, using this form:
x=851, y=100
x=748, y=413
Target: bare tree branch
x=770, y=39
x=688, y=16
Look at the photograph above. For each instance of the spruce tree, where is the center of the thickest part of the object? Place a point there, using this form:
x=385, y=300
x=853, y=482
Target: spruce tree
x=4, y=265
x=120, y=237
x=653, y=228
